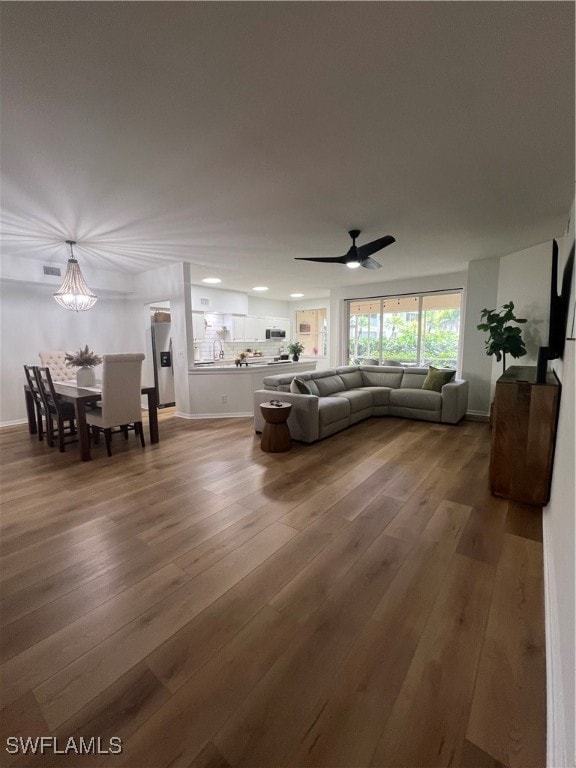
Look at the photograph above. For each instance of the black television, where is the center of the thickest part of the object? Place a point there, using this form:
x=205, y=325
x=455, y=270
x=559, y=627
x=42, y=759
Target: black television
x=559, y=304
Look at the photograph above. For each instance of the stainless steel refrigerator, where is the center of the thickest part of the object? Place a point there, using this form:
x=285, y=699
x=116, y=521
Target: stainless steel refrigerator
x=160, y=336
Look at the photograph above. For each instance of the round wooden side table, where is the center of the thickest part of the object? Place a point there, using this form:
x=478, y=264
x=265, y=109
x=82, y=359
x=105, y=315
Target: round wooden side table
x=276, y=435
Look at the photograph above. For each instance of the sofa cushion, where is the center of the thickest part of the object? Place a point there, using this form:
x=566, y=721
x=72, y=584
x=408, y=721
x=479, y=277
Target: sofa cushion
x=332, y=409
x=281, y=381
x=381, y=378
x=380, y=395
x=437, y=377
x=329, y=385
x=352, y=379
x=313, y=388
x=413, y=379
x=423, y=399
x=299, y=387
x=359, y=399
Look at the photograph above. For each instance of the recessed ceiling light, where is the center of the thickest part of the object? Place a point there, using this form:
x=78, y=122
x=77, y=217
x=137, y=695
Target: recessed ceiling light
x=260, y=288
x=296, y=295
x=211, y=280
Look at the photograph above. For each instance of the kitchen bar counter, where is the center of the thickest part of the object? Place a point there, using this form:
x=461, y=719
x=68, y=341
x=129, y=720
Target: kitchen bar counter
x=226, y=390
x=227, y=365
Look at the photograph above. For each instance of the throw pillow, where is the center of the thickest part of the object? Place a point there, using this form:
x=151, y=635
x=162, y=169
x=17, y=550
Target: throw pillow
x=299, y=387
x=437, y=377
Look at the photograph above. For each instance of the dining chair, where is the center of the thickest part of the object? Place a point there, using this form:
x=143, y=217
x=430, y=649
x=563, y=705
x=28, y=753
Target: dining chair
x=55, y=410
x=36, y=397
x=56, y=361
x=121, y=405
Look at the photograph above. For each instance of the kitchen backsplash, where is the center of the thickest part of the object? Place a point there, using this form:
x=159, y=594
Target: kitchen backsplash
x=213, y=343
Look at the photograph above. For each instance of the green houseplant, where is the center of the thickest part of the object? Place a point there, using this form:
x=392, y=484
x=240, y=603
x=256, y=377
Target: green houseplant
x=295, y=348
x=85, y=361
x=503, y=338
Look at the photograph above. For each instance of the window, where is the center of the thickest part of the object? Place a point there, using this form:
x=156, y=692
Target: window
x=418, y=330
x=311, y=327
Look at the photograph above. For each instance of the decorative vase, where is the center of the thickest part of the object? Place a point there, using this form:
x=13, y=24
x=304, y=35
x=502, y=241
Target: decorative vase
x=295, y=358
x=85, y=377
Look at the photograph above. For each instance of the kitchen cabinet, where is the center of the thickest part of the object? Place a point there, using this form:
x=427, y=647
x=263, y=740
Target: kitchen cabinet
x=255, y=329
x=524, y=423
x=238, y=328
x=241, y=328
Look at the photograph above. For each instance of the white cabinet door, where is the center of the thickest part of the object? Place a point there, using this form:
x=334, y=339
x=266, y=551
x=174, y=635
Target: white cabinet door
x=238, y=328
x=198, y=326
x=250, y=329
x=261, y=326
x=256, y=329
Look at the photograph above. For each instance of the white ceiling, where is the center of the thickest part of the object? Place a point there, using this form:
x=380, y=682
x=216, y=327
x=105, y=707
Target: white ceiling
x=237, y=136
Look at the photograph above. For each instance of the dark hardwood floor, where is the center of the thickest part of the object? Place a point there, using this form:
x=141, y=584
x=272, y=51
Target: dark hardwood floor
x=363, y=601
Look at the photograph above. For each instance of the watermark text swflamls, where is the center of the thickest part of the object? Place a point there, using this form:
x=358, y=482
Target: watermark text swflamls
x=82, y=745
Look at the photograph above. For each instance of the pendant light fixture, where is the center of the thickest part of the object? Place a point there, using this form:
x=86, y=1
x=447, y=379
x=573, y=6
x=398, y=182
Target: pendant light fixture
x=74, y=293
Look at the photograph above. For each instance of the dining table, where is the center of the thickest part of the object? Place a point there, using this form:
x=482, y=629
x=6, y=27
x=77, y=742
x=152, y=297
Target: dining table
x=80, y=397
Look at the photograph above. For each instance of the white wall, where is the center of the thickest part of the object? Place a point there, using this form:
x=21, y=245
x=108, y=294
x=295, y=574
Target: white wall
x=219, y=300
x=559, y=559
x=31, y=271
x=31, y=321
x=262, y=307
x=524, y=278
x=481, y=293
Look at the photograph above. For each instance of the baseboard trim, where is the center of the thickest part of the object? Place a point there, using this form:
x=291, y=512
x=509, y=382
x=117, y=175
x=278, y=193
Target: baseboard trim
x=195, y=416
x=477, y=416
x=556, y=737
x=14, y=423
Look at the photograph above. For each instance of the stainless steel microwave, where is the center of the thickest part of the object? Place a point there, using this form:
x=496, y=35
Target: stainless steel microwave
x=275, y=333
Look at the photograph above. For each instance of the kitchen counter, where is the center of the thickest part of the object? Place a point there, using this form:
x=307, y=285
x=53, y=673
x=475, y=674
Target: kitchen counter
x=228, y=362
x=218, y=365
x=220, y=390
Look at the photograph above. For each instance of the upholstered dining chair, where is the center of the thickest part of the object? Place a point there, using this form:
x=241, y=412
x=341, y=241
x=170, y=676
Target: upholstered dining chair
x=121, y=398
x=56, y=361
x=55, y=410
x=36, y=397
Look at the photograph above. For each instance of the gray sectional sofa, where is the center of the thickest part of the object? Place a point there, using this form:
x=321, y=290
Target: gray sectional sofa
x=345, y=395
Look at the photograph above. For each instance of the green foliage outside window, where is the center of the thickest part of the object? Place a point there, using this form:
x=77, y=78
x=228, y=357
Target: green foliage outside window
x=439, y=337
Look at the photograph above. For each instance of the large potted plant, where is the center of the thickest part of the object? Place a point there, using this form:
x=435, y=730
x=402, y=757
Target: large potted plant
x=503, y=338
x=85, y=361
x=295, y=348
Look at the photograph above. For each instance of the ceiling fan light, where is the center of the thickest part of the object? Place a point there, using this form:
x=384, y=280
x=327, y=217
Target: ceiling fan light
x=353, y=264
x=74, y=294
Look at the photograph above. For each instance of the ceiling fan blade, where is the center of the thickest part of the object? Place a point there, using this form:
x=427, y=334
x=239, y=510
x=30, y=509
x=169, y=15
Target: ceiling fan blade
x=375, y=245
x=370, y=263
x=330, y=260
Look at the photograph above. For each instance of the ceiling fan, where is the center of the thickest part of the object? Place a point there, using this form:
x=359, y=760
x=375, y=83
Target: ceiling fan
x=357, y=256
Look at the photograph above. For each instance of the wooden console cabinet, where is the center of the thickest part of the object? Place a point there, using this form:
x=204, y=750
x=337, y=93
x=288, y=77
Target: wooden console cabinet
x=523, y=435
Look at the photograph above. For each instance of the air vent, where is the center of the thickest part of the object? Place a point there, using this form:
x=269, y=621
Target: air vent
x=205, y=302
x=52, y=271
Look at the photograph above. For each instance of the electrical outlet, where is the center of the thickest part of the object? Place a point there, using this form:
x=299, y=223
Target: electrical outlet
x=223, y=399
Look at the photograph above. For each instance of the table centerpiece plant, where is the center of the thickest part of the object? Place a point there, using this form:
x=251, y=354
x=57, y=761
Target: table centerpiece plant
x=85, y=361
x=295, y=348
